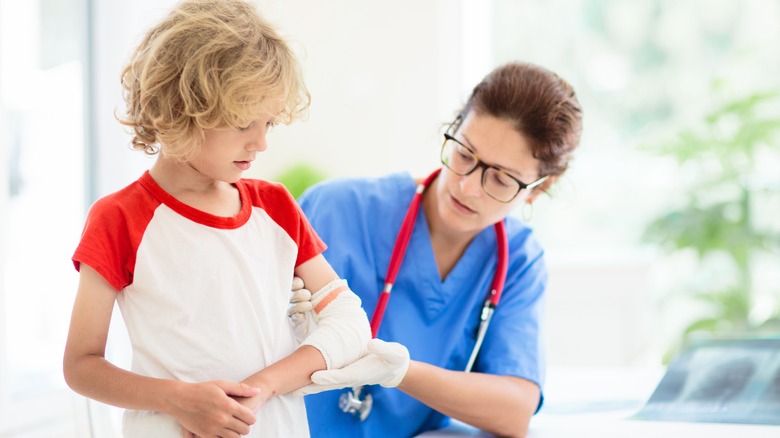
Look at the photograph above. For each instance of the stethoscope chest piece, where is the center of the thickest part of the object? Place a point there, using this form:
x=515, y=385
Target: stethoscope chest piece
x=351, y=403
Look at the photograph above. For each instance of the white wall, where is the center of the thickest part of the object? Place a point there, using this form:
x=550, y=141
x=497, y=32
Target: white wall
x=383, y=77
x=4, y=152
x=600, y=310
x=119, y=25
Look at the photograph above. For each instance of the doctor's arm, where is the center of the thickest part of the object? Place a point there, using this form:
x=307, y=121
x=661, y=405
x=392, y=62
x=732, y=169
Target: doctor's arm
x=501, y=405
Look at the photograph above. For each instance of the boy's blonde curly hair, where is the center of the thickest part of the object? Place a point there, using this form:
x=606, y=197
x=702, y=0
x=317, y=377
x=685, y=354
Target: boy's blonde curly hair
x=209, y=64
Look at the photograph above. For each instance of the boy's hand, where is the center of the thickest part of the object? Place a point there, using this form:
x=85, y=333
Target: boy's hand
x=208, y=409
x=256, y=402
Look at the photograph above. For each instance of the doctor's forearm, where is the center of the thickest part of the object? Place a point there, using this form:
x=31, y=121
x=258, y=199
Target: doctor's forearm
x=501, y=405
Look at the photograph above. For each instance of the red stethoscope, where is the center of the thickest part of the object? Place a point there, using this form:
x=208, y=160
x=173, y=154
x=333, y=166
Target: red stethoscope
x=351, y=402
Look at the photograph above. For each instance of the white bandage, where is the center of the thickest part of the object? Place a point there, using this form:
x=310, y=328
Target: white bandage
x=343, y=330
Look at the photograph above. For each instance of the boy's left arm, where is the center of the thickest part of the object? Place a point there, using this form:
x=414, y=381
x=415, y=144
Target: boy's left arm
x=341, y=337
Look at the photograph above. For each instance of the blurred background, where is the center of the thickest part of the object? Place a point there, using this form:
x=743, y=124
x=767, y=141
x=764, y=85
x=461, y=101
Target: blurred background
x=665, y=228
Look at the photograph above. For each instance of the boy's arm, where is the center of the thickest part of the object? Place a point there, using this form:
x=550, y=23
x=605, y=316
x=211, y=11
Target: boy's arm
x=203, y=408
x=341, y=336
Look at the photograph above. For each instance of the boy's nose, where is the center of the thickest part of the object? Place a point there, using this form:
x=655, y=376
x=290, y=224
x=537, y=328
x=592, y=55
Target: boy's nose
x=259, y=143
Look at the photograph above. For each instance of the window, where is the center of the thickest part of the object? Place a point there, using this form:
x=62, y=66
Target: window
x=42, y=152
x=644, y=72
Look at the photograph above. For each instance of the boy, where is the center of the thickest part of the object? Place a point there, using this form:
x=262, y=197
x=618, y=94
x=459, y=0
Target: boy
x=199, y=260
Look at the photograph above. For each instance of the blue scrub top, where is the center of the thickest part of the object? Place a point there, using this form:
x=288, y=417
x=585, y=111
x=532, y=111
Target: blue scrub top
x=436, y=320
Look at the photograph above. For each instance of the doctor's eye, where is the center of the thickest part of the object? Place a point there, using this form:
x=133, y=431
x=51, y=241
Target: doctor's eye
x=501, y=179
x=270, y=124
x=463, y=153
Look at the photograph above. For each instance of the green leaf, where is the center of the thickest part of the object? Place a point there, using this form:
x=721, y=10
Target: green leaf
x=745, y=105
x=714, y=218
x=709, y=325
x=299, y=177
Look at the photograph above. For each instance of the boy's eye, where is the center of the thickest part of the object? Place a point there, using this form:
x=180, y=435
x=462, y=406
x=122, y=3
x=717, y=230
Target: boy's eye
x=269, y=124
x=244, y=128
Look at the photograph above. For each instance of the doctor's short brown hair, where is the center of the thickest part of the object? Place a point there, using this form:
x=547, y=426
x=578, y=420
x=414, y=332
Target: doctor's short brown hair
x=539, y=104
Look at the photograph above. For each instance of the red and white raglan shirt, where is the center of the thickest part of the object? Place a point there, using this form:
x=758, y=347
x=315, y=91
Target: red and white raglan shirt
x=203, y=297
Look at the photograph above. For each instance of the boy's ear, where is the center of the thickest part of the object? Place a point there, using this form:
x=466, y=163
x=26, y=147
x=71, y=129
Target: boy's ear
x=541, y=188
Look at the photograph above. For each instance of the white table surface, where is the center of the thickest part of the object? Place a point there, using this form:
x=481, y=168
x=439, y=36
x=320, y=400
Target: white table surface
x=598, y=403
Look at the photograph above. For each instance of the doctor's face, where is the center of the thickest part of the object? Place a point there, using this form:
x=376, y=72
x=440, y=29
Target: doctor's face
x=463, y=205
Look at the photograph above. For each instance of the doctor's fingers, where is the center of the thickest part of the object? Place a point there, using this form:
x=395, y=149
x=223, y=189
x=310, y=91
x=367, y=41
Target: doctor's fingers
x=300, y=302
x=315, y=389
x=297, y=283
x=299, y=308
x=368, y=370
x=300, y=296
x=391, y=353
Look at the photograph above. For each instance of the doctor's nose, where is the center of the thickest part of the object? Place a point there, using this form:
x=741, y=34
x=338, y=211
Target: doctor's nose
x=471, y=184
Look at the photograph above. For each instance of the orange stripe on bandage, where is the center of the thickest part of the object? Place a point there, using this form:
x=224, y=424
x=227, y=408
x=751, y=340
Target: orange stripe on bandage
x=328, y=298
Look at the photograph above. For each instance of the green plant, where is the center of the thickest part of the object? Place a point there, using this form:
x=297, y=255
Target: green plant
x=299, y=177
x=716, y=220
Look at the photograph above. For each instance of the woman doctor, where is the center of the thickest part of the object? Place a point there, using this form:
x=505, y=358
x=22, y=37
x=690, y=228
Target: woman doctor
x=511, y=141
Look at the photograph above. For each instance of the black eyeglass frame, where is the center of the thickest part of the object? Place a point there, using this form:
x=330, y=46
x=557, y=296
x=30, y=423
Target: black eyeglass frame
x=479, y=164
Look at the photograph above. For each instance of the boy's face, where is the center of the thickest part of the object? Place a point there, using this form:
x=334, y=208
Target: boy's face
x=227, y=153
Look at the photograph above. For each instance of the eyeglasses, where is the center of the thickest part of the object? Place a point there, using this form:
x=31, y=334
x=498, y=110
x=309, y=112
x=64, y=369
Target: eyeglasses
x=496, y=183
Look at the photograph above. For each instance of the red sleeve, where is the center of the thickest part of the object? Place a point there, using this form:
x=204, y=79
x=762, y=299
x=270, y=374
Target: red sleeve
x=282, y=208
x=113, y=230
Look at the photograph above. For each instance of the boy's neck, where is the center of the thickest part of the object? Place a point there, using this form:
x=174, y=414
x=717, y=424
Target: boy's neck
x=177, y=177
x=188, y=185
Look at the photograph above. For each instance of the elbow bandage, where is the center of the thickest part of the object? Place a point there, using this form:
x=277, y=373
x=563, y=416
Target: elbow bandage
x=343, y=330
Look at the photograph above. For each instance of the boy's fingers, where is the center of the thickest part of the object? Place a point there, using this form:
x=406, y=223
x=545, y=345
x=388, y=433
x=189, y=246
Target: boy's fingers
x=240, y=424
x=246, y=417
x=238, y=389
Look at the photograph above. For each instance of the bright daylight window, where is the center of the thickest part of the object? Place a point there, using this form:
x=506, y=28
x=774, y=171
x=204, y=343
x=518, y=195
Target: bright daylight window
x=42, y=153
x=682, y=116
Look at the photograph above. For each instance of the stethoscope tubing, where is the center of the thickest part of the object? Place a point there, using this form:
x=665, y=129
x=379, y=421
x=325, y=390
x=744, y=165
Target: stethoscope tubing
x=495, y=293
x=351, y=402
x=399, y=252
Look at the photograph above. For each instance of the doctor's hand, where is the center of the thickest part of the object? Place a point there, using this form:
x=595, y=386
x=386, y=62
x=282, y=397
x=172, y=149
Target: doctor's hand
x=301, y=311
x=385, y=363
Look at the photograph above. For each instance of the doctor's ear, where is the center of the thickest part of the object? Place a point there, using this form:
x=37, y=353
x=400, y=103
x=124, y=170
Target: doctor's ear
x=541, y=188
